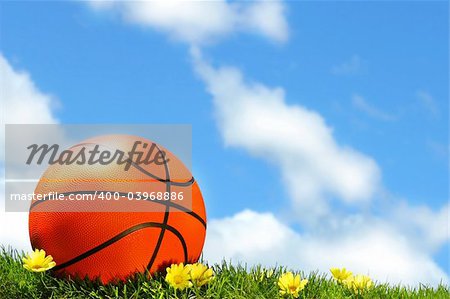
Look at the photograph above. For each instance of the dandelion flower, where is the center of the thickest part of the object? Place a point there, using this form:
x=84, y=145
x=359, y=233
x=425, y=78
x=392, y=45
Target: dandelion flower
x=348, y=282
x=340, y=274
x=178, y=276
x=290, y=284
x=359, y=283
x=36, y=261
x=200, y=274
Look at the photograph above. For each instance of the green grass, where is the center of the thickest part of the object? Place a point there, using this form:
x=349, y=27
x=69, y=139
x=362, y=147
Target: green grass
x=230, y=282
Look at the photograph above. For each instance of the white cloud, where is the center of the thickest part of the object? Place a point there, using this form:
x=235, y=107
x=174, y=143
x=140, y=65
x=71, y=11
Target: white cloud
x=199, y=22
x=351, y=67
x=368, y=246
x=363, y=105
x=266, y=18
x=433, y=226
x=312, y=163
x=391, y=247
x=13, y=225
x=21, y=102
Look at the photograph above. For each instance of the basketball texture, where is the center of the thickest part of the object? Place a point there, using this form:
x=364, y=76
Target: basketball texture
x=112, y=239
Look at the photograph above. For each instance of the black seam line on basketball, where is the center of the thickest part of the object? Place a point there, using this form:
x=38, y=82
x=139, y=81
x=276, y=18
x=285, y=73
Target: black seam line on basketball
x=182, y=184
x=122, y=194
x=165, y=221
x=121, y=236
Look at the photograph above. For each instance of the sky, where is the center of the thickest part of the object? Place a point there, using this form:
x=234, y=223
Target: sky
x=320, y=129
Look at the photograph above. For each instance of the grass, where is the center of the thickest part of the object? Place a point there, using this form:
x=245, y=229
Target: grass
x=230, y=282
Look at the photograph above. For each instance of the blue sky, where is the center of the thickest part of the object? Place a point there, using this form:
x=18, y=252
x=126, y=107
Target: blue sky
x=376, y=72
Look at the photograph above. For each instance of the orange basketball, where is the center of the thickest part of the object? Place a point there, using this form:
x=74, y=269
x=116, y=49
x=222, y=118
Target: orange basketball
x=117, y=229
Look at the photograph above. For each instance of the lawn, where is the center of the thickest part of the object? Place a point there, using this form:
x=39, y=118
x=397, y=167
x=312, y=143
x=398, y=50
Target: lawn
x=229, y=282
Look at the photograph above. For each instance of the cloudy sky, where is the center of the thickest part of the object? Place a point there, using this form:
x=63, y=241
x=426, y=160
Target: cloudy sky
x=320, y=129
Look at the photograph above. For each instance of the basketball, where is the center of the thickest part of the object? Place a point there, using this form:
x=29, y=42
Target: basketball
x=108, y=221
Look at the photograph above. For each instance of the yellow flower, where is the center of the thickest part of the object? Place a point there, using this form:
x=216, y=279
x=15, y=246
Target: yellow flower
x=200, y=274
x=359, y=283
x=36, y=261
x=178, y=276
x=290, y=284
x=340, y=274
x=348, y=282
